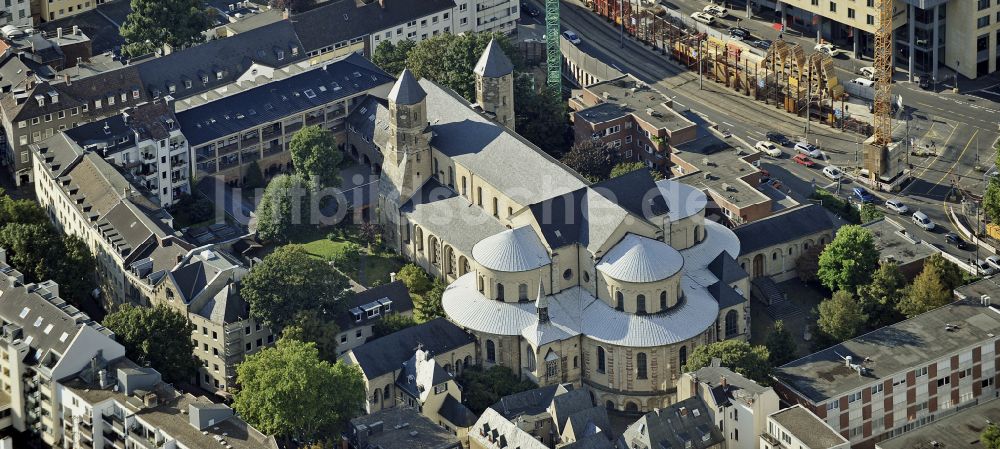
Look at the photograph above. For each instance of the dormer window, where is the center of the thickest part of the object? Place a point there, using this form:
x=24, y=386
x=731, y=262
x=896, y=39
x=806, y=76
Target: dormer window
x=97, y=104
x=204, y=79
x=40, y=99
x=281, y=55
x=218, y=75
x=172, y=88
x=124, y=97
x=187, y=84
x=111, y=100
x=135, y=94
x=295, y=51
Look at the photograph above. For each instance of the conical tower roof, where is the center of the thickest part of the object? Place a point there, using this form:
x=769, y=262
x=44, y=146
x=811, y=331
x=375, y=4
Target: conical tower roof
x=493, y=63
x=407, y=90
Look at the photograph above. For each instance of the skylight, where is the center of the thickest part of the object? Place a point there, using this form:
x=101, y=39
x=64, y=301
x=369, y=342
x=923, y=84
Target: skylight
x=63, y=337
x=309, y=93
x=24, y=312
x=48, y=328
x=38, y=321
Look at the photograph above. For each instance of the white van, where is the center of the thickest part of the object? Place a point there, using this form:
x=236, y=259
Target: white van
x=702, y=17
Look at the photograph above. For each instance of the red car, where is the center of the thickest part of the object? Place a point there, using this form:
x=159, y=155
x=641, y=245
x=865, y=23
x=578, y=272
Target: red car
x=804, y=160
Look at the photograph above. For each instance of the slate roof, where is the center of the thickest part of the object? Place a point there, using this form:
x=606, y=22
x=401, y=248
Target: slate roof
x=393, y=291
x=682, y=425
x=635, y=191
x=388, y=353
x=712, y=375
x=406, y=90
x=456, y=412
x=278, y=99
x=227, y=306
x=493, y=63
x=725, y=294
x=505, y=433
x=807, y=427
x=343, y=20
x=531, y=402
x=513, y=250
x=79, y=92
x=590, y=421
x=683, y=200
x=569, y=403
x=583, y=216
x=433, y=201
x=727, y=269
x=783, y=227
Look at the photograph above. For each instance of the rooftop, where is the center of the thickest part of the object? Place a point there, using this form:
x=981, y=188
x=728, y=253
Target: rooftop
x=393, y=297
x=782, y=227
x=343, y=20
x=894, y=243
x=387, y=354
x=402, y=428
x=891, y=350
x=958, y=430
x=512, y=250
x=989, y=286
x=714, y=165
x=736, y=384
x=633, y=97
x=493, y=430
x=684, y=424
x=807, y=427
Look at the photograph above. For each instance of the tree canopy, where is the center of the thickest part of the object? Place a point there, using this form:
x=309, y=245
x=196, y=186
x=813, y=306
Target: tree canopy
x=737, y=355
x=289, y=281
x=849, y=260
x=158, y=336
x=927, y=292
x=449, y=59
x=624, y=168
x=155, y=23
x=285, y=207
x=287, y=390
x=990, y=437
x=391, y=323
x=316, y=156
x=881, y=297
x=780, y=345
x=415, y=278
x=482, y=389
x=320, y=329
x=951, y=275
x=428, y=306
x=39, y=252
x=840, y=317
x=591, y=159
x=991, y=200
x=392, y=57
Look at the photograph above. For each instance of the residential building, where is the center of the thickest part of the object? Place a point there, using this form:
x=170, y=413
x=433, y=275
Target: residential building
x=399, y=428
x=17, y=13
x=684, y=424
x=44, y=340
x=493, y=431
x=895, y=244
x=986, y=289
x=849, y=24
x=122, y=405
x=770, y=247
x=382, y=360
x=962, y=429
x=900, y=377
x=739, y=406
x=367, y=308
x=519, y=235
x=425, y=384
x=635, y=119
x=797, y=427
x=58, y=9
x=558, y=416
x=227, y=134
x=529, y=410
x=60, y=48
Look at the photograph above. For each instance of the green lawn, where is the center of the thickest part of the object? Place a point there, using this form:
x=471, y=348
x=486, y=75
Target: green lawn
x=377, y=266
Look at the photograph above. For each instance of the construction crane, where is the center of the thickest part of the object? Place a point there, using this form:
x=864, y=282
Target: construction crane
x=883, y=74
x=552, y=52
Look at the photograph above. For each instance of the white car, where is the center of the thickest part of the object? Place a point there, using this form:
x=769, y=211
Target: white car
x=768, y=148
x=896, y=206
x=571, y=37
x=716, y=11
x=861, y=81
x=702, y=17
x=985, y=268
x=921, y=219
x=867, y=72
x=808, y=149
x=994, y=261
x=827, y=48
x=832, y=172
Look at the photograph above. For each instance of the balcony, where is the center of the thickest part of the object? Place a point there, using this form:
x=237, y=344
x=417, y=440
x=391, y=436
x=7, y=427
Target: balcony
x=771, y=440
x=249, y=156
x=226, y=149
x=314, y=120
x=274, y=148
x=85, y=430
x=148, y=156
x=292, y=127
x=228, y=162
x=207, y=167
x=270, y=131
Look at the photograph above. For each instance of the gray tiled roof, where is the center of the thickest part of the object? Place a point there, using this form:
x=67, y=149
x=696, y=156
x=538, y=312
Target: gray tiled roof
x=807, y=427
x=727, y=269
x=531, y=402
x=494, y=63
x=959, y=430
x=684, y=424
x=342, y=20
x=513, y=250
x=406, y=90
x=434, y=202
x=783, y=227
x=393, y=291
x=388, y=353
x=456, y=412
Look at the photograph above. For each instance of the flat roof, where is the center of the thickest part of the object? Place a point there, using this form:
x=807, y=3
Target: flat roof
x=958, y=430
x=719, y=168
x=637, y=98
x=989, y=286
x=404, y=428
x=807, y=427
x=893, y=242
x=892, y=349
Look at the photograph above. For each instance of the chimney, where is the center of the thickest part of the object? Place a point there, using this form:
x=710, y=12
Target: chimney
x=285, y=13
x=68, y=80
x=724, y=382
x=848, y=360
x=381, y=4
x=392, y=277
x=76, y=30
x=59, y=32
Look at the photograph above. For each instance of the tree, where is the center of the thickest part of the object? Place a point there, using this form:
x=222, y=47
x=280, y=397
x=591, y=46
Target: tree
x=840, y=317
x=291, y=5
x=316, y=156
x=155, y=23
x=737, y=355
x=991, y=200
x=870, y=213
x=391, y=323
x=990, y=437
x=347, y=257
x=624, y=168
x=30, y=248
x=289, y=281
x=449, y=59
x=72, y=267
x=289, y=391
x=314, y=328
x=951, y=275
x=284, y=207
x=849, y=260
x=541, y=117
x=392, y=57
x=927, y=292
x=482, y=389
x=591, y=159
x=780, y=345
x=807, y=264
x=415, y=278
x=428, y=305
x=370, y=233
x=254, y=177
x=880, y=298
x=20, y=211
x=158, y=336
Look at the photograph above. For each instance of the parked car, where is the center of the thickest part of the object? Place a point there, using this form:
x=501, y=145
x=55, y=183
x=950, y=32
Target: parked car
x=778, y=138
x=921, y=219
x=924, y=82
x=994, y=262
x=862, y=194
x=828, y=48
x=533, y=12
x=956, y=240
x=863, y=82
x=808, y=149
x=803, y=160
x=702, y=17
x=984, y=268
x=768, y=148
x=739, y=33
x=832, y=172
x=896, y=206
x=867, y=72
x=762, y=44
x=716, y=11
x=572, y=37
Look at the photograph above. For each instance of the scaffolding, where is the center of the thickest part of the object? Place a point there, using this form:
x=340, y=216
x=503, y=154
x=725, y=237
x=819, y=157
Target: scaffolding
x=553, y=54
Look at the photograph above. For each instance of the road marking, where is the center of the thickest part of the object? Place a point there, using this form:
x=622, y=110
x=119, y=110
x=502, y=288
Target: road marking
x=938, y=156
x=728, y=124
x=959, y=158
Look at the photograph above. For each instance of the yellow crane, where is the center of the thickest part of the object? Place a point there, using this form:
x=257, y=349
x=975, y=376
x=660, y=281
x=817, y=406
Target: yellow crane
x=883, y=74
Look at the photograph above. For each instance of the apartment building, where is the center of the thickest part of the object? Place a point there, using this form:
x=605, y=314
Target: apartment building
x=367, y=308
x=44, y=339
x=849, y=23
x=739, y=406
x=58, y=9
x=962, y=429
x=901, y=377
x=628, y=115
x=684, y=424
x=797, y=427
x=204, y=286
x=16, y=13
x=554, y=416
x=255, y=125
x=399, y=428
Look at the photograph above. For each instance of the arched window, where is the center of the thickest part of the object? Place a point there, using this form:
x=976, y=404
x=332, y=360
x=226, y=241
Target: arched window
x=467, y=362
x=609, y=405
x=774, y=255
x=619, y=301
x=463, y=186
x=731, y=326
x=436, y=168
x=451, y=177
x=522, y=292
x=640, y=365
x=697, y=234
x=568, y=274
x=479, y=196
x=576, y=361
x=640, y=304
x=632, y=407
x=491, y=351
x=683, y=356
x=482, y=284
x=447, y=367
x=496, y=207
x=499, y=291
x=376, y=396
x=529, y=358
x=600, y=359
x=663, y=300
x=385, y=394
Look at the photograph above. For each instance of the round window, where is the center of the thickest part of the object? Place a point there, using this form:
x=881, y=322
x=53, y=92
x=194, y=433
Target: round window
x=568, y=274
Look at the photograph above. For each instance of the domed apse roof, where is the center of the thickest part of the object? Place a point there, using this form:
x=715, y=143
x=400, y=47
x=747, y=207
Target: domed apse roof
x=641, y=259
x=512, y=250
x=682, y=199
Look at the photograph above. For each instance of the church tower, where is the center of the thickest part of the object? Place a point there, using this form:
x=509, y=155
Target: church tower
x=407, y=153
x=495, y=84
